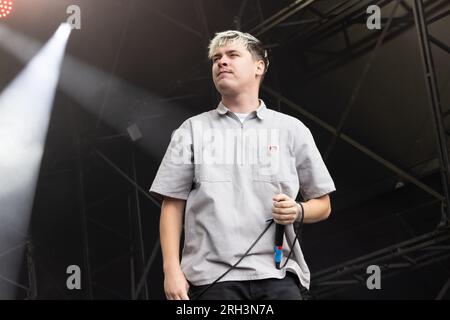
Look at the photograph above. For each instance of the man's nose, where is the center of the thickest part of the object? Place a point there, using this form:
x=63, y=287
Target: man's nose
x=223, y=62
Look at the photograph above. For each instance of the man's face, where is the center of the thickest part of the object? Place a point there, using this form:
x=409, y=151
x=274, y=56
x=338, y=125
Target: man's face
x=234, y=69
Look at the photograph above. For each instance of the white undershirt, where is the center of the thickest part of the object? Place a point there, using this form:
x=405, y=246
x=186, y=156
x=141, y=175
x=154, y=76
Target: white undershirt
x=241, y=116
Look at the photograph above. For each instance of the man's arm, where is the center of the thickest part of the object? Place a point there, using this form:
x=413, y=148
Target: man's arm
x=171, y=223
x=286, y=211
x=316, y=210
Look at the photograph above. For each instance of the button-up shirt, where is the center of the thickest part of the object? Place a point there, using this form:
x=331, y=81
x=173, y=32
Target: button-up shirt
x=228, y=171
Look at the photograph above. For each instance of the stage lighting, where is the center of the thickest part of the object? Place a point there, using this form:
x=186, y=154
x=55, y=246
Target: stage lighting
x=6, y=7
x=134, y=132
x=25, y=109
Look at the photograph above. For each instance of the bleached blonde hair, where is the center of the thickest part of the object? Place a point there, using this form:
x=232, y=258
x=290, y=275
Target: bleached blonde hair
x=253, y=45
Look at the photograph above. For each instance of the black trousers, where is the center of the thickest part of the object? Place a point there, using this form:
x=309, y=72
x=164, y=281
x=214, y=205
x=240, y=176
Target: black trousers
x=266, y=289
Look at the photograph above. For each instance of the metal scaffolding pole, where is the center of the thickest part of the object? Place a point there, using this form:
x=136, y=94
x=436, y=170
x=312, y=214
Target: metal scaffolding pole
x=382, y=255
x=170, y=19
x=335, y=17
x=340, y=20
x=148, y=266
x=133, y=239
x=280, y=16
x=32, y=284
x=392, y=260
x=82, y=202
x=156, y=246
x=116, y=61
x=443, y=290
x=389, y=271
x=325, y=29
x=392, y=167
x=138, y=220
x=201, y=17
x=24, y=246
x=131, y=248
x=434, y=104
x=238, y=18
x=126, y=177
x=359, y=84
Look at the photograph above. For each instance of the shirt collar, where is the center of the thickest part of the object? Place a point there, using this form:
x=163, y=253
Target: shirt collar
x=260, y=112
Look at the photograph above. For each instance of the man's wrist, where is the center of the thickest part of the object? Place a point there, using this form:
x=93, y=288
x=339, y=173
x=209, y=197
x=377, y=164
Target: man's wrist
x=170, y=268
x=300, y=211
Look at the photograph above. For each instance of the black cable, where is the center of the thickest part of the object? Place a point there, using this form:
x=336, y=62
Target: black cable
x=298, y=230
x=297, y=233
x=239, y=261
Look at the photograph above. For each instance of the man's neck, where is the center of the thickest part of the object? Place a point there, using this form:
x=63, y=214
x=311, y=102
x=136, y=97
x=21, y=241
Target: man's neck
x=241, y=103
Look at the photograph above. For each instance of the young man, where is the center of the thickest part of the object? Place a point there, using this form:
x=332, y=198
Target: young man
x=227, y=172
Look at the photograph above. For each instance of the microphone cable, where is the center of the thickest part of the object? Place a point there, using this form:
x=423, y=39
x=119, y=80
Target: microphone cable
x=271, y=221
x=298, y=231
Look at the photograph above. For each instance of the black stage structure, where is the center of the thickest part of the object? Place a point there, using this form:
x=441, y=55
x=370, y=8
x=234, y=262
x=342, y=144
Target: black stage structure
x=376, y=101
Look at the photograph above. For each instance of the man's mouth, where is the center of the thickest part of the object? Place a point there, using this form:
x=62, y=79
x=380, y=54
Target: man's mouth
x=222, y=72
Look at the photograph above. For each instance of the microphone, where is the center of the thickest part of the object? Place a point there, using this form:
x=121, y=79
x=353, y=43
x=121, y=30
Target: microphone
x=278, y=248
x=279, y=235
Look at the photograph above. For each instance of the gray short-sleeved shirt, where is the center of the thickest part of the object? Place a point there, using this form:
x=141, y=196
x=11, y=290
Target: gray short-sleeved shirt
x=228, y=172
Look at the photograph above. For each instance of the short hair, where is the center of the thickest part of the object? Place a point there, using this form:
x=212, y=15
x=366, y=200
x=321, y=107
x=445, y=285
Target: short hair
x=250, y=42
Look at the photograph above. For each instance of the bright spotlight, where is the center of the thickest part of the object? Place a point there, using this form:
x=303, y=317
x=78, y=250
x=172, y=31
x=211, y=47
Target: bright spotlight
x=25, y=107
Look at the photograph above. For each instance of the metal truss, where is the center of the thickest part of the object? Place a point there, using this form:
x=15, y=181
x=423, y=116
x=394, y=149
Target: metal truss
x=348, y=139
x=86, y=150
x=354, y=49
x=434, y=102
x=142, y=283
x=136, y=256
x=23, y=246
x=416, y=252
x=412, y=254
x=336, y=21
x=419, y=251
x=280, y=16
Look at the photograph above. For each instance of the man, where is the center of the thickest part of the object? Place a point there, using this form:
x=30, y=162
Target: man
x=227, y=172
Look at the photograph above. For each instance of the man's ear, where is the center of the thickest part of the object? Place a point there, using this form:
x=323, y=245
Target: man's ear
x=260, y=67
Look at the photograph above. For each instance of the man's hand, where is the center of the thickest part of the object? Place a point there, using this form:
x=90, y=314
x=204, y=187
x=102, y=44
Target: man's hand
x=175, y=285
x=284, y=210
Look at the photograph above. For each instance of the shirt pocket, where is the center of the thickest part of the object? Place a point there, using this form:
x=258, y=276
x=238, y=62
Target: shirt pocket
x=212, y=173
x=280, y=169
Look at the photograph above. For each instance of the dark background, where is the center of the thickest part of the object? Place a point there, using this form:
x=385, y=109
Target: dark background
x=144, y=62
